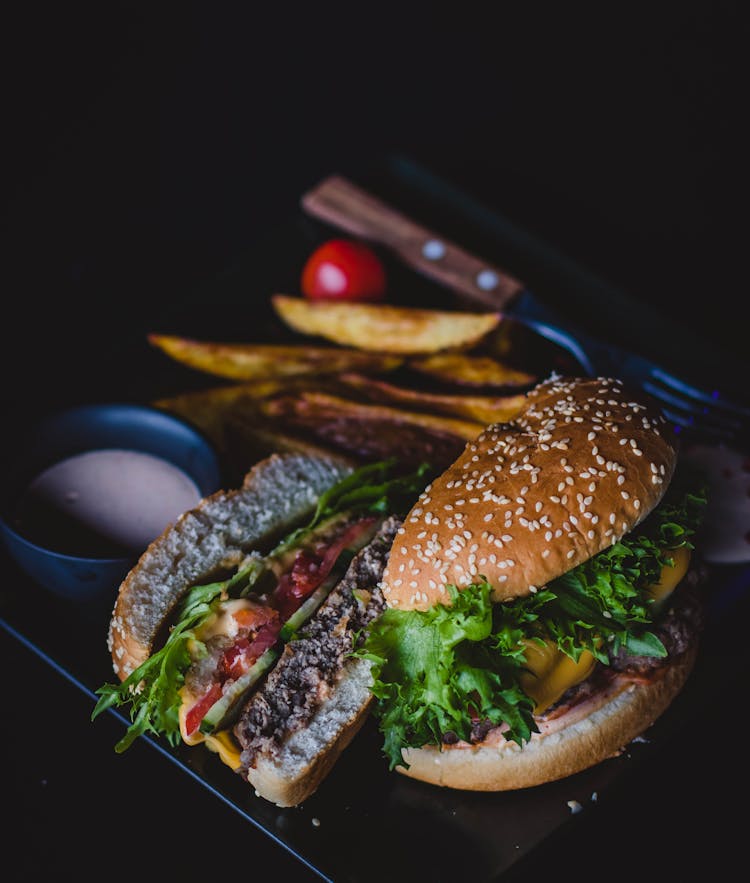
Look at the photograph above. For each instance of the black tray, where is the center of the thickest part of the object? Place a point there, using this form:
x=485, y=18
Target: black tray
x=488, y=833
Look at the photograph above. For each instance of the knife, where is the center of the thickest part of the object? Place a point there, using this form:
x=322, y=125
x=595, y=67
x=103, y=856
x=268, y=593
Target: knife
x=339, y=202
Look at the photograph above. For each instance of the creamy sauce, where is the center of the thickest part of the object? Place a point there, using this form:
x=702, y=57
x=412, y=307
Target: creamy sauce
x=106, y=502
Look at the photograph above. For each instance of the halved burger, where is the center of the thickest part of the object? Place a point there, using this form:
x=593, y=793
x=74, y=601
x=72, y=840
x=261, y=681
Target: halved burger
x=236, y=627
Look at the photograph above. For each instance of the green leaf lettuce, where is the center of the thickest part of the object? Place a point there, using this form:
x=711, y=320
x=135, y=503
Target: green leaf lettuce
x=437, y=672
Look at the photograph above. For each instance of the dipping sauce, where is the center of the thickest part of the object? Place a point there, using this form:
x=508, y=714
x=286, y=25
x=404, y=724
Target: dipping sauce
x=104, y=503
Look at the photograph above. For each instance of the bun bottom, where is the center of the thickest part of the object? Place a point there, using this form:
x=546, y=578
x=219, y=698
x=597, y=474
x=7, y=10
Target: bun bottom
x=293, y=774
x=583, y=737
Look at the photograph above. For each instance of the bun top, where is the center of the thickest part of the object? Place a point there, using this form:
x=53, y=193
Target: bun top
x=578, y=467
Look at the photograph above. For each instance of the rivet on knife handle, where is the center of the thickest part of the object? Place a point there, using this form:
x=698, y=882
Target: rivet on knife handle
x=343, y=204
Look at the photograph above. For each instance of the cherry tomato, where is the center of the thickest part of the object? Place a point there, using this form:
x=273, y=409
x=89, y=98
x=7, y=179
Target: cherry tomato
x=342, y=269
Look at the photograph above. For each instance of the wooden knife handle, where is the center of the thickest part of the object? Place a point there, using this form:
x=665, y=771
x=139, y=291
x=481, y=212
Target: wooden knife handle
x=339, y=202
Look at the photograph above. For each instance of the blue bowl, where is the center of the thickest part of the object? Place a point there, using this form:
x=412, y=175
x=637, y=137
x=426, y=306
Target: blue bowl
x=77, y=430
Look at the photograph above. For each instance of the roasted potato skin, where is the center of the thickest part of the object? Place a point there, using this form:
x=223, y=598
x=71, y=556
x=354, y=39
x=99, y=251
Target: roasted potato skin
x=248, y=361
x=384, y=328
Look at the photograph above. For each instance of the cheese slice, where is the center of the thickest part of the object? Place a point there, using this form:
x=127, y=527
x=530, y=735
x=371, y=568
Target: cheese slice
x=671, y=576
x=221, y=742
x=224, y=745
x=549, y=672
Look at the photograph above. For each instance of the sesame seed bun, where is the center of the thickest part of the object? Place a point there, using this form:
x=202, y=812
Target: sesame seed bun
x=579, y=467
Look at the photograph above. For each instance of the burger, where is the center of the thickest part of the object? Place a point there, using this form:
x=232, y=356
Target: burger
x=236, y=627
x=542, y=596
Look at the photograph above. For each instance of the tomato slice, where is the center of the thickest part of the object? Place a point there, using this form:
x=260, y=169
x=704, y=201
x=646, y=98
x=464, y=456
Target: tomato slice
x=198, y=711
x=233, y=662
x=306, y=573
x=346, y=539
x=311, y=569
x=238, y=658
x=265, y=638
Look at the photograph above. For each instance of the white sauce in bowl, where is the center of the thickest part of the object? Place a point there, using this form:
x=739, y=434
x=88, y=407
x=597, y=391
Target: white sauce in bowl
x=107, y=502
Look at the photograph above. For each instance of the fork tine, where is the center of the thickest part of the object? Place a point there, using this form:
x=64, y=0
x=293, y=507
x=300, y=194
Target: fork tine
x=713, y=400
x=701, y=422
x=696, y=412
x=688, y=426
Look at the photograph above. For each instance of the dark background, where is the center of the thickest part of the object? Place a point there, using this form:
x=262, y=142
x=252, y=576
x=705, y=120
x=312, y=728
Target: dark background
x=147, y=144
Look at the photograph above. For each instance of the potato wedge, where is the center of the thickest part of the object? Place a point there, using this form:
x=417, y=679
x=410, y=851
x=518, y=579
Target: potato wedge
x=371, y=432
x=382, y=327
x=484, y=409
x=208, y=409
x=250, y=438
x=247, y=361
x=211, y=410
x=464, y=369
x=229, y=418
x=340, y=406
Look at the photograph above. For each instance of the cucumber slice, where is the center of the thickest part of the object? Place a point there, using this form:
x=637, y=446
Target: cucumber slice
x=220, y=714
x=306, y=610
x=308, y=607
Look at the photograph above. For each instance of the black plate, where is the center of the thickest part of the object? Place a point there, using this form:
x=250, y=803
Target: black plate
x=488, y=833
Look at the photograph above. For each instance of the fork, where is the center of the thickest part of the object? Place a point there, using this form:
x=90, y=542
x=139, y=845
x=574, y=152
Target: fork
x=702, y=415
